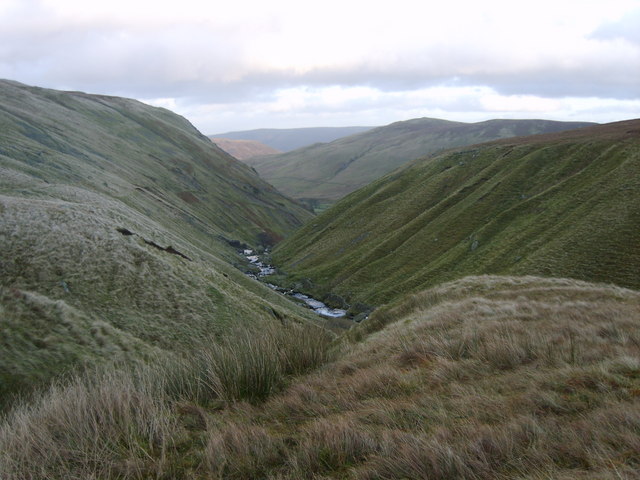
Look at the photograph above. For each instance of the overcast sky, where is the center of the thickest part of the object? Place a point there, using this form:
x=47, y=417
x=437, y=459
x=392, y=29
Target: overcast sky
x=244, y=64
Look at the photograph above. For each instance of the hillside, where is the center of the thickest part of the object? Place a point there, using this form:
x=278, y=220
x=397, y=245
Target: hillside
x=483, y=378
x=328, y=172
x=119, y=223
x=286, y=139
x=243, y=149
x=564, y=204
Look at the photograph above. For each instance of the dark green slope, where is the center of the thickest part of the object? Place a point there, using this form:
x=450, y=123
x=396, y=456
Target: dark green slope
x=327, y=172
x=117, y=226
x=565, y=205
x=147, y=157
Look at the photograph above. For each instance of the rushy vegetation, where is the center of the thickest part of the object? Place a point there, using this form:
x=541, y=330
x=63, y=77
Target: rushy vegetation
x=482, y=378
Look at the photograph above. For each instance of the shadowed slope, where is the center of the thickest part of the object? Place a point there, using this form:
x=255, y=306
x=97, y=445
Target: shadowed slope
x=562, y=204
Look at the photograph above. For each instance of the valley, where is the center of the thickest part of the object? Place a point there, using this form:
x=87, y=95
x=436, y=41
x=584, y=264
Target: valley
x=465, y=306
x=561, y=205
x=325, y=172
x=120, y=225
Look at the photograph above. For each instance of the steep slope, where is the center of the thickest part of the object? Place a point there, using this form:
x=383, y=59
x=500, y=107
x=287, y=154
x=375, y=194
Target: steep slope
x=330, y=171
x=286, y=139
x=564, y=204
x=117, y=225
x=243, y=149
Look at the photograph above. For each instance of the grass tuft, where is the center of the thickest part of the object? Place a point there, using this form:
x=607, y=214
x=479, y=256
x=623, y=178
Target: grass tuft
x=104, y=426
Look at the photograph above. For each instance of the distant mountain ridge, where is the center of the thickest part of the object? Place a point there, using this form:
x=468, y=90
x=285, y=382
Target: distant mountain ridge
x=243, y=149
x=286, y=139
x=327, y=172
x=563, y=204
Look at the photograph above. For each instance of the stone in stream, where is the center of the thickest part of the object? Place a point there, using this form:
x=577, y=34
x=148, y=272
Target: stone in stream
x=319, y=307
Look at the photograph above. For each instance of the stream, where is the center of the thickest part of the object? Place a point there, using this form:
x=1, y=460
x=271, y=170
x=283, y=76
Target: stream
x=265, y=270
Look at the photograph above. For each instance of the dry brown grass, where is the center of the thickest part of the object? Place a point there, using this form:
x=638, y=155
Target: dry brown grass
x=484, y=378
x=107, y=426
x=332, y=445
x=242, y=451
x=138, y=422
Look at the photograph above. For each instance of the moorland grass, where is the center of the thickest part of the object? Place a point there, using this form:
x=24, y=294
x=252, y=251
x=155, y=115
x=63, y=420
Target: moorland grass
x=111, y=424
x=558, y=205
x=130, y=422
x=120, y=226
x=327, y=172
x=482, y=378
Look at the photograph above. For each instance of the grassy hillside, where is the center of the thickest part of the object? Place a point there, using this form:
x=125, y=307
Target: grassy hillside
x=328, y=172
x=482, y=378
x=564, y=204
x=243, y=149
x=118, y=223
x=286, y=139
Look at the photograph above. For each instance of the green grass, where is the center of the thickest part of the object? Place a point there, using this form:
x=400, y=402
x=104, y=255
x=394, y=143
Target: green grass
x=482, y=378
x=558, y=205
x=252, y=364
x=78, y=170
x=127, y=421
x=329, y=171
x=122, y=359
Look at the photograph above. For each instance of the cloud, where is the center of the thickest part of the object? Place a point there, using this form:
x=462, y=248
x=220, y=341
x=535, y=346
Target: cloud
x=335, y=106
x=626, y=28
x=284, y=57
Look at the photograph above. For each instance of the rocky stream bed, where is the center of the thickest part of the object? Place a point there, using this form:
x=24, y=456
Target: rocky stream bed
x=265, y=270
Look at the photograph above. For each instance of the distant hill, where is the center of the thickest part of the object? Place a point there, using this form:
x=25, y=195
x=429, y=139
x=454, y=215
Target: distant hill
x=563, y=204
x=243, y=149
x=119, y=224
x=327, y=172
x=286, y=139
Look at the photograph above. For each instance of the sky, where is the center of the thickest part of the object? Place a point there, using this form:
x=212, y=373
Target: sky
x=245, y=64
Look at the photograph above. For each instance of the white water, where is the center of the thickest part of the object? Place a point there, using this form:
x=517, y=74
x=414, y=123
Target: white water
x=316, y=305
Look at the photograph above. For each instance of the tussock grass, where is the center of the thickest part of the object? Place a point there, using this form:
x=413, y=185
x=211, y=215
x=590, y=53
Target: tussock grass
x=241, y=451
x=332, y=445
x=484, y=378
x=244, y=366
x=111, y=425
x=125, y=422
x=253, y=363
